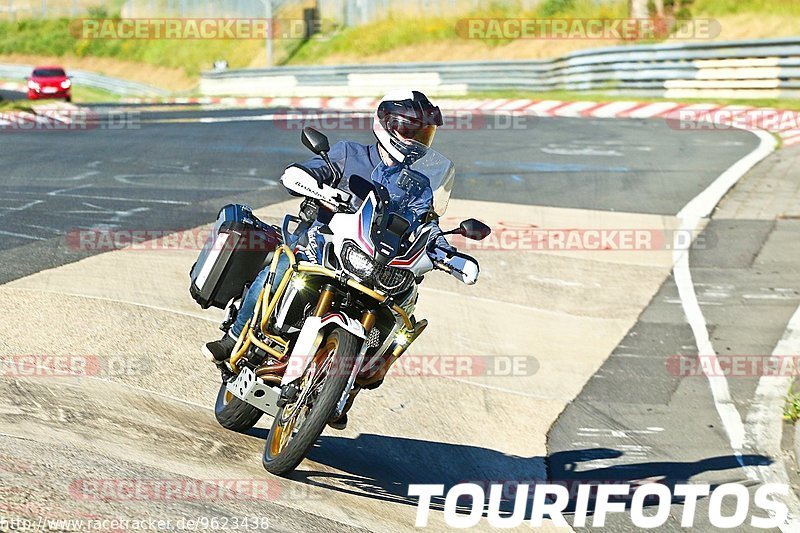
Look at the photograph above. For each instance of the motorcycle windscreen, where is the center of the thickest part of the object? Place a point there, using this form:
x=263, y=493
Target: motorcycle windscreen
x=442, y=174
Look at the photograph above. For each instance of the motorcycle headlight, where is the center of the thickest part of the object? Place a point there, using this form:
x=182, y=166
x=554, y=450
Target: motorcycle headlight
x=357, y=262
x=394, y=280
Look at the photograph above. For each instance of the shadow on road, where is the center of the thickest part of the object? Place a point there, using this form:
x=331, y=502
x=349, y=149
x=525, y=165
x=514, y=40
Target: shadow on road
x=565, y=468
x=381, y=467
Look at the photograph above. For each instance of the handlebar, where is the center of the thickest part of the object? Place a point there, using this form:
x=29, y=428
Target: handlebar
x=338, y=207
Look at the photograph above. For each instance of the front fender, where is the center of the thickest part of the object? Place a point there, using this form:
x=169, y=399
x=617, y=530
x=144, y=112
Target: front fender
x=310, y=338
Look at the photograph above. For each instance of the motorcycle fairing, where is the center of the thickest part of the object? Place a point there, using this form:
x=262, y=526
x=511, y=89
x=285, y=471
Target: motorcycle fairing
x=311, y=336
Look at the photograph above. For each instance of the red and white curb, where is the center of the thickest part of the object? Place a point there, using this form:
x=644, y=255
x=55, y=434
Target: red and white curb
x=44, y=117
x=785, y=124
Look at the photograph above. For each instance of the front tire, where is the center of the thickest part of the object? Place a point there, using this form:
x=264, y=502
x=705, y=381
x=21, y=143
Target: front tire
x=234, y=414
x=282, y=452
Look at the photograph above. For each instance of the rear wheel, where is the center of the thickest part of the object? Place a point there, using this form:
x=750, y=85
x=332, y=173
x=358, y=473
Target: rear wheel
x=299, y=424
x=233, y=413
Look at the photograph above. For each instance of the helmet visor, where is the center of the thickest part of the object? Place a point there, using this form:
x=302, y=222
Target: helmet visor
x=412, y=130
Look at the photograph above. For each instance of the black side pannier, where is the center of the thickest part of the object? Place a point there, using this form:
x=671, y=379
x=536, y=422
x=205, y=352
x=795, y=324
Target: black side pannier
x=235, y=252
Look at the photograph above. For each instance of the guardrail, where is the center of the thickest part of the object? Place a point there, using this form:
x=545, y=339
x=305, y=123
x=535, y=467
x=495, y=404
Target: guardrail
x=89, y=79
x=736, y=69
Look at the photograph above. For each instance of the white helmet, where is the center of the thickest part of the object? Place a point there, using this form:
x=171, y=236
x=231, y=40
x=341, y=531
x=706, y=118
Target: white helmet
x=405, y=123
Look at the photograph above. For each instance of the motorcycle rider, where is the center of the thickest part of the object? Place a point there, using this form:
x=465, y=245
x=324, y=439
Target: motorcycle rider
x=404, y=125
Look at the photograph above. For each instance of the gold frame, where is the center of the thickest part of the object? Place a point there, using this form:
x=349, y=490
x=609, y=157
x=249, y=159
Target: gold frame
x=267, y=306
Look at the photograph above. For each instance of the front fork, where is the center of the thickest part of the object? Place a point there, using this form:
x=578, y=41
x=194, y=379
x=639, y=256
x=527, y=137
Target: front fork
x=353, y=388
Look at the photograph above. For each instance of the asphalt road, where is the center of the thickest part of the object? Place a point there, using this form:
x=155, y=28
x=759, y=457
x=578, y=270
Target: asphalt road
x=141, y=170
x=173, y=170
x=11, y=95
x=643, y=415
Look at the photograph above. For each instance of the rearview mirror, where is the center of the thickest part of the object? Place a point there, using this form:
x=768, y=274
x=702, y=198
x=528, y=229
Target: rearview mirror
x=315, y=141
x=474, y=229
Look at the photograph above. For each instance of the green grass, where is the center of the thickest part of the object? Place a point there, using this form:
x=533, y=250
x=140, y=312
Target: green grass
x=15, y=105
x=791, y=409
x=54, y=38
x=734, y=7
x=91, y=95
x=392, y=33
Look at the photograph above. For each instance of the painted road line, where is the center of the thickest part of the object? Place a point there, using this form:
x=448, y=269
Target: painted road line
x=690, y=217
x=764, y=426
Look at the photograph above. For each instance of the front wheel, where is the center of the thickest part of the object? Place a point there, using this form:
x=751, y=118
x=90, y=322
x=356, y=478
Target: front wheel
x=233, y=413
x=299, y=424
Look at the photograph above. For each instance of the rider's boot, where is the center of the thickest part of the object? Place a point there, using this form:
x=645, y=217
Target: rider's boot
x=221, y=350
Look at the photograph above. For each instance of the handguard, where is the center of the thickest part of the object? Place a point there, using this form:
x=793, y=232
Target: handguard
x=461, y=266
x=301, y=182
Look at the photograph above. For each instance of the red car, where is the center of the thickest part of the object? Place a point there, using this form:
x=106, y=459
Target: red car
x=49, y=82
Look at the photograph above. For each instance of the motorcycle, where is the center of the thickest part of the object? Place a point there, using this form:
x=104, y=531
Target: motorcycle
x=335, y=326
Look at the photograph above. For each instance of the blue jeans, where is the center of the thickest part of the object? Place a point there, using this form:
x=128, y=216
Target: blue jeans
x=251, y=298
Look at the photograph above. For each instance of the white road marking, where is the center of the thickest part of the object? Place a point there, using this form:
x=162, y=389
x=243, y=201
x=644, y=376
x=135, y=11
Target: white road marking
x=126, y=302
x=690, y=216
x=610, y=432
x=23, y=207
x=555, y=149
x=507, y=390
x=77, y=177
x=62, y=192
x=115, y=216
x=294, y=117
x=557, y=281
x=763, y=425
x=22, y=236
x=46, y=228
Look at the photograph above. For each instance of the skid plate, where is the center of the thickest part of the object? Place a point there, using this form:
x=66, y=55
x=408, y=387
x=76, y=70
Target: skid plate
x=251, y=389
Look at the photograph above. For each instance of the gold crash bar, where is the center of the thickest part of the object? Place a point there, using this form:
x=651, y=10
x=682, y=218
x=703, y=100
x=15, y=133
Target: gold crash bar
x=267, y=306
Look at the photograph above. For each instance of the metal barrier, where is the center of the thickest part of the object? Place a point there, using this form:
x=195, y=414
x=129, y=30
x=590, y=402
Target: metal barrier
x=89, y=79
x=737, y=69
